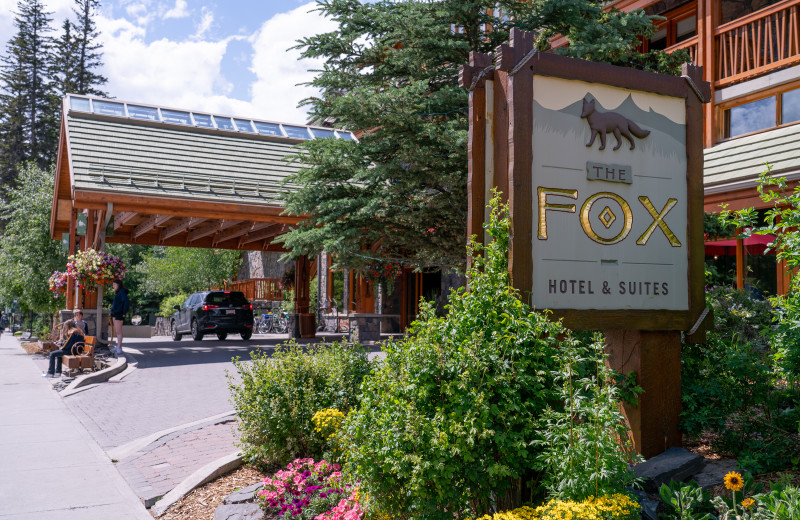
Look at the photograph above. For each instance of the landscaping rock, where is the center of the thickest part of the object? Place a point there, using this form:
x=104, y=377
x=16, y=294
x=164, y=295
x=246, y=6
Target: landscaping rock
x=674, y=464
x=649, y=505
x=713, y=473
x=238, y=512
x=243, y=495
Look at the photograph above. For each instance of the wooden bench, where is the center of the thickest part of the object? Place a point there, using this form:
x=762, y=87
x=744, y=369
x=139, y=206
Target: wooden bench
x=83, y=360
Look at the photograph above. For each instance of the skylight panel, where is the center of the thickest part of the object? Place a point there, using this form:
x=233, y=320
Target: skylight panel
x=173, y=116
x=108, y=108
x=268, y=129
x=82, y=104
x=224, y=123
x=347, y=136
x=296, y=132
x=203, y=120
x=322, y=134
x=138, y=112
x=243, y=125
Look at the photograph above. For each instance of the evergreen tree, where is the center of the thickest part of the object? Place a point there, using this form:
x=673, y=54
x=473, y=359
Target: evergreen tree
x=89, y=57
x=28, y=126
x=391, y=71
x=64, y=60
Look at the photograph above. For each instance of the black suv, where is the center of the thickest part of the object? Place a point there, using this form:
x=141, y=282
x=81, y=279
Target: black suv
x=213, y=312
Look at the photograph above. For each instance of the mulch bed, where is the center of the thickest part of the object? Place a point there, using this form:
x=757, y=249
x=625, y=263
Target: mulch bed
x=201, y=503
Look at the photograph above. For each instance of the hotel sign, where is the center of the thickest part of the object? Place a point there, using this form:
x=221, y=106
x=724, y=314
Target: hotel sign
x=602, y=170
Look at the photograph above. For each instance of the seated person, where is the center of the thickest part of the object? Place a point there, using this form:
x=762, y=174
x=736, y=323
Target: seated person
x=74, y=339
x=82, y=325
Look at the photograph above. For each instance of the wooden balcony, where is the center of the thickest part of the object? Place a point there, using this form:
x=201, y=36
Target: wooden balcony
x=755, y=44
x=258, y=289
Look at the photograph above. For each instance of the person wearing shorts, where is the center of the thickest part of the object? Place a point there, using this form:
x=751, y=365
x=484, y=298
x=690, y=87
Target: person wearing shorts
x=119, y=308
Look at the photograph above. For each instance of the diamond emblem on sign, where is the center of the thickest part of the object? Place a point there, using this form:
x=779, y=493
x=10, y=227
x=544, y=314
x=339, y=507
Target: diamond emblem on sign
x=607, y=217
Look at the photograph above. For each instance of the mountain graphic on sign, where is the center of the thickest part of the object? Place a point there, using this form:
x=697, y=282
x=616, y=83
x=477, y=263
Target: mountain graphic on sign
x=667, y=137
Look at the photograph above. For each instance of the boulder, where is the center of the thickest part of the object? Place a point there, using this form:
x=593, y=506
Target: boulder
x=243, y=495
x=674, y=464
x=238, y=512
x=713, y=473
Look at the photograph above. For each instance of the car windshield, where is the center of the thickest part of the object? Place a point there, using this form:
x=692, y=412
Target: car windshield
x=226, y=299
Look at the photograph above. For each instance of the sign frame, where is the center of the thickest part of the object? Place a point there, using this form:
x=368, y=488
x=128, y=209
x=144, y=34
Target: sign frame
x=500, y=152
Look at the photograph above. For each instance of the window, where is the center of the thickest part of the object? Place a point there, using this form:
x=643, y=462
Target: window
x=268, y=129
x=224, y=123
x=347, y=136
x=320, y=133
x=203, y=120
x=780, y=108
x=680, y=25
x=81, y=104
x=108, y=108
x=243, y=125
x=173, y=116
x=149, y=113
x=297, y=132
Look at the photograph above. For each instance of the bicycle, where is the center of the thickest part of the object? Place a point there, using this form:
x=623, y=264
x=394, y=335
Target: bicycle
x=265, y=323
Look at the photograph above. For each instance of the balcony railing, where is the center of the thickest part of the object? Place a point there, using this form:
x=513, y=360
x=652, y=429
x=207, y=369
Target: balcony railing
x=257, y=289
x=689, y=45
x=765, y=40
x=755, y=44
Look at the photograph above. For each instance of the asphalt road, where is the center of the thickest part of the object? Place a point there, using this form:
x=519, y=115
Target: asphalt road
x=174, y=383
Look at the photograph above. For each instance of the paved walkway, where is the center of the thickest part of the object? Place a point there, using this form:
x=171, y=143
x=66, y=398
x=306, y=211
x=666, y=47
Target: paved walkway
x=51, y=467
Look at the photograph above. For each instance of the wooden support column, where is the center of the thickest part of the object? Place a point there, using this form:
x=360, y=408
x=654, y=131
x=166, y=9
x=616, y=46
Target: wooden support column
x=707, y=16
x=740, y=265
x=655, y=356
x=72, y=290
x=301, y=285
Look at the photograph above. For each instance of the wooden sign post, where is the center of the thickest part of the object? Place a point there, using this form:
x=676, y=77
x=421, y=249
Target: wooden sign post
x=602, y=167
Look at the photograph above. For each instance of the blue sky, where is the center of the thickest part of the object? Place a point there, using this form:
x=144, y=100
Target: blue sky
x=224, y=56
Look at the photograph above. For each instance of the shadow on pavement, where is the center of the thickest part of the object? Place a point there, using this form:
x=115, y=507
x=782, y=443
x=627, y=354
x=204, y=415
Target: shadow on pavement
x=159, y=352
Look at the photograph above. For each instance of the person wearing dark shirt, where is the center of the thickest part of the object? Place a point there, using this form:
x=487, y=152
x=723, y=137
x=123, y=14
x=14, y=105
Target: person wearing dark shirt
x=74, y=339
x=119, y=307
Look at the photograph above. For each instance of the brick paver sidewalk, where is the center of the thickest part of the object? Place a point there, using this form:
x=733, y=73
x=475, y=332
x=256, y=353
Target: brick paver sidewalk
x=171, y=459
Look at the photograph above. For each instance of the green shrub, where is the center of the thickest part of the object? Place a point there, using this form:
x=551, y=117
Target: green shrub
x=585, y=444
x=278, y=395
x=730, y=387
x=165, y=307
x=445, y=427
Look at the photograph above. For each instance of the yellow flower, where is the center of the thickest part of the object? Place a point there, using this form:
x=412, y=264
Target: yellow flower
x=733, y=481
x=747, y=502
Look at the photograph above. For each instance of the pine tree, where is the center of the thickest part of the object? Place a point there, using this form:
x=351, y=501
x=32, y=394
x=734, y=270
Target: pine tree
x=89, y=57
x=64, y=60
x=28, y=126
x=391, y=71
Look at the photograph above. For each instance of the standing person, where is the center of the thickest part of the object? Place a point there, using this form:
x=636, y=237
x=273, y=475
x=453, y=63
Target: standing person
x=119, y=307
x=74, y=337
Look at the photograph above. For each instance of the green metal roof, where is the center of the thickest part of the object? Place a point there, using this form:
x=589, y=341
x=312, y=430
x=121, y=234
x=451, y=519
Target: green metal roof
x=739, y=161
x=154, y=158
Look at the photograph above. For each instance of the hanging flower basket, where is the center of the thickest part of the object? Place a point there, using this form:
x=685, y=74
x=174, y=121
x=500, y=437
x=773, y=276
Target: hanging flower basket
x=287, y=279
x=92, y=269
x=58, y=283
x=378, y=272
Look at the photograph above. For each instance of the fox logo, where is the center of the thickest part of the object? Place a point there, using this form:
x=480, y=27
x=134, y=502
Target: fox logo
x=602, y=123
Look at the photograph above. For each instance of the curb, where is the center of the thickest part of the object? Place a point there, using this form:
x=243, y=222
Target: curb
x=205, y=474
x=137, y=446
x=97, y=377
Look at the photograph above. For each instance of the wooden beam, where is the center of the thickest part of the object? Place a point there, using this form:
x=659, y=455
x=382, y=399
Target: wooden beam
x=123, y=218
x=233, y=232
x=149, y=225
x=101, y=215
x=184, y=208
x=268, y=232
x=183, y=225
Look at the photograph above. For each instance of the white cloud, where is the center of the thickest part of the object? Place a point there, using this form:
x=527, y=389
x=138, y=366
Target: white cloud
x=275, y=94
x=207, y=18
x=179, y=11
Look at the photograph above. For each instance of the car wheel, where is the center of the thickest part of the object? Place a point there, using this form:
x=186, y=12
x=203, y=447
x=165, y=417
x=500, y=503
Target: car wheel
x=246, y=334
x=176, y=336
x=196, y=334
x=222, y=335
